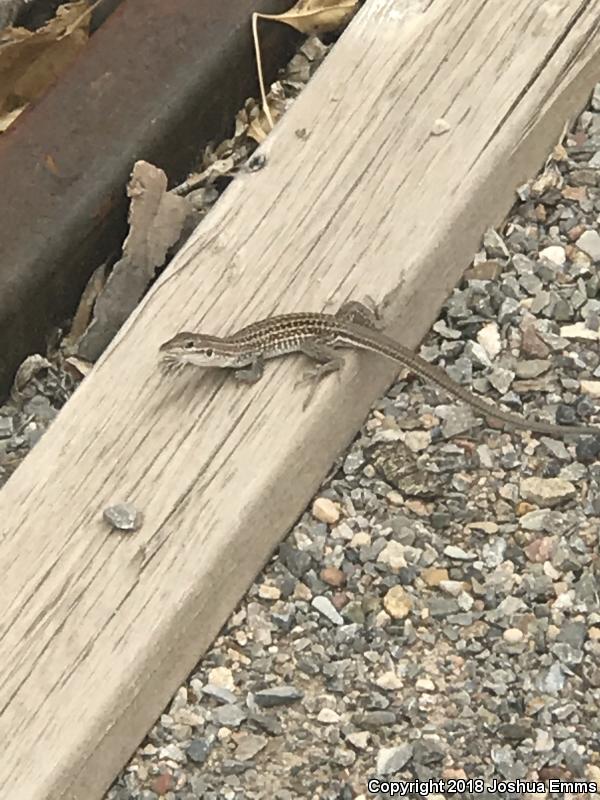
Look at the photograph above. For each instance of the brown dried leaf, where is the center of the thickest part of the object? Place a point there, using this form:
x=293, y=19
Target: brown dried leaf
x=30, y=61
x=254, y=121
x=316, y=16
x=157, y=219
x=78, y=368
x=256, y=130
x=83, y=314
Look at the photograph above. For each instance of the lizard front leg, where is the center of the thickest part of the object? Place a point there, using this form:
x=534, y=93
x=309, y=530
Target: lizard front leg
x=252, y=373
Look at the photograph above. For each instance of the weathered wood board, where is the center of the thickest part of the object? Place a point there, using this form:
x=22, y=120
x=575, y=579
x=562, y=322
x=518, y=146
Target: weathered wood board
x=98, y=629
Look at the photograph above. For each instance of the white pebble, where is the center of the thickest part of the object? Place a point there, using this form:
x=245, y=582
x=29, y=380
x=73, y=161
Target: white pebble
x=555, y=253
x=325, y=510
x=513, y=635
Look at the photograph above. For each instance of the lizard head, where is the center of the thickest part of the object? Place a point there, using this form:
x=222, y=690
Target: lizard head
x=198, y=349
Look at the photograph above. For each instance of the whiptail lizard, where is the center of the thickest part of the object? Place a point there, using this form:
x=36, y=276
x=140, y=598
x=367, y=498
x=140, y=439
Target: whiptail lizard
x=317, y=336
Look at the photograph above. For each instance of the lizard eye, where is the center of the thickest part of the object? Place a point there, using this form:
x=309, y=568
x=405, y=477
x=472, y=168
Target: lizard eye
x=209, y=352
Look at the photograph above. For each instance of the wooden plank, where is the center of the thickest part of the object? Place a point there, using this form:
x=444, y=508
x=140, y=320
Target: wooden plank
x=98, y=629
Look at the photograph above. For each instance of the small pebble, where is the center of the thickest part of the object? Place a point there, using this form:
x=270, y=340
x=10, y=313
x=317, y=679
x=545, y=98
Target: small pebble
x=513, y=635
x=589, y=242
x=123, y=517
x=554, y=253
x=434, y=576
x=439, y=127
x=397, y=603
x=6, y=427
x=425, y=685
x=590, y=387
x=325, y=607
x=325, y=510
x=267, y=592
x=222, y=677
x=328, y=716
x=332, y=576
x=546, y=492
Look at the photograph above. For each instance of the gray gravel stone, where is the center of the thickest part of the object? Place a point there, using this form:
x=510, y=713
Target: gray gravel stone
x=198, y=750
x=325, y=607
x=231, y=716
x=553, y=680
x=391, y=760
x=219, y=693
x=7, y=427
x=547, y=492
x=457, y=553
x=123, y=517
x=589, y=242
x=278, y=696
x=249, y=746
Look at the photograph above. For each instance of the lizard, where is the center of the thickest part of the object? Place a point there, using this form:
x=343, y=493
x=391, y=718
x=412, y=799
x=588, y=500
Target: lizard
x=317, y=336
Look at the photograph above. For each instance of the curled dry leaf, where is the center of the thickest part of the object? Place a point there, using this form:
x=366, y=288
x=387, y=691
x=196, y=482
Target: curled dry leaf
x=316, y=16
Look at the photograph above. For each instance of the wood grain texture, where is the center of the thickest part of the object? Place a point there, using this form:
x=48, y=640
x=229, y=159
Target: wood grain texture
x=97, y=629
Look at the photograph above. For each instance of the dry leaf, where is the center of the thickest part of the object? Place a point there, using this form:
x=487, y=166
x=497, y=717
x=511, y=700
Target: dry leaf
x=30, y=61
x=253, y=121
x=316, y=16
x=78, y=368
x=156, y=221
x=559, y=153
x=83, y=314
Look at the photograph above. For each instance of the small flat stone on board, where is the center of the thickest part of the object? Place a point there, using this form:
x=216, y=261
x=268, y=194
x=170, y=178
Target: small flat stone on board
x=439, y=127
x=123, y=517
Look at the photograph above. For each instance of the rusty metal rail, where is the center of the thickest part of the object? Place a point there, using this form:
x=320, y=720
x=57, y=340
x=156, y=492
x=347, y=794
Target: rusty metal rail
x=156, y=81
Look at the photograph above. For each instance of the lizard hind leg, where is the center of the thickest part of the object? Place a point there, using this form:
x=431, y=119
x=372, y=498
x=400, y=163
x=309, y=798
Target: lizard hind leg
x=327, y=360
x=361, y=314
